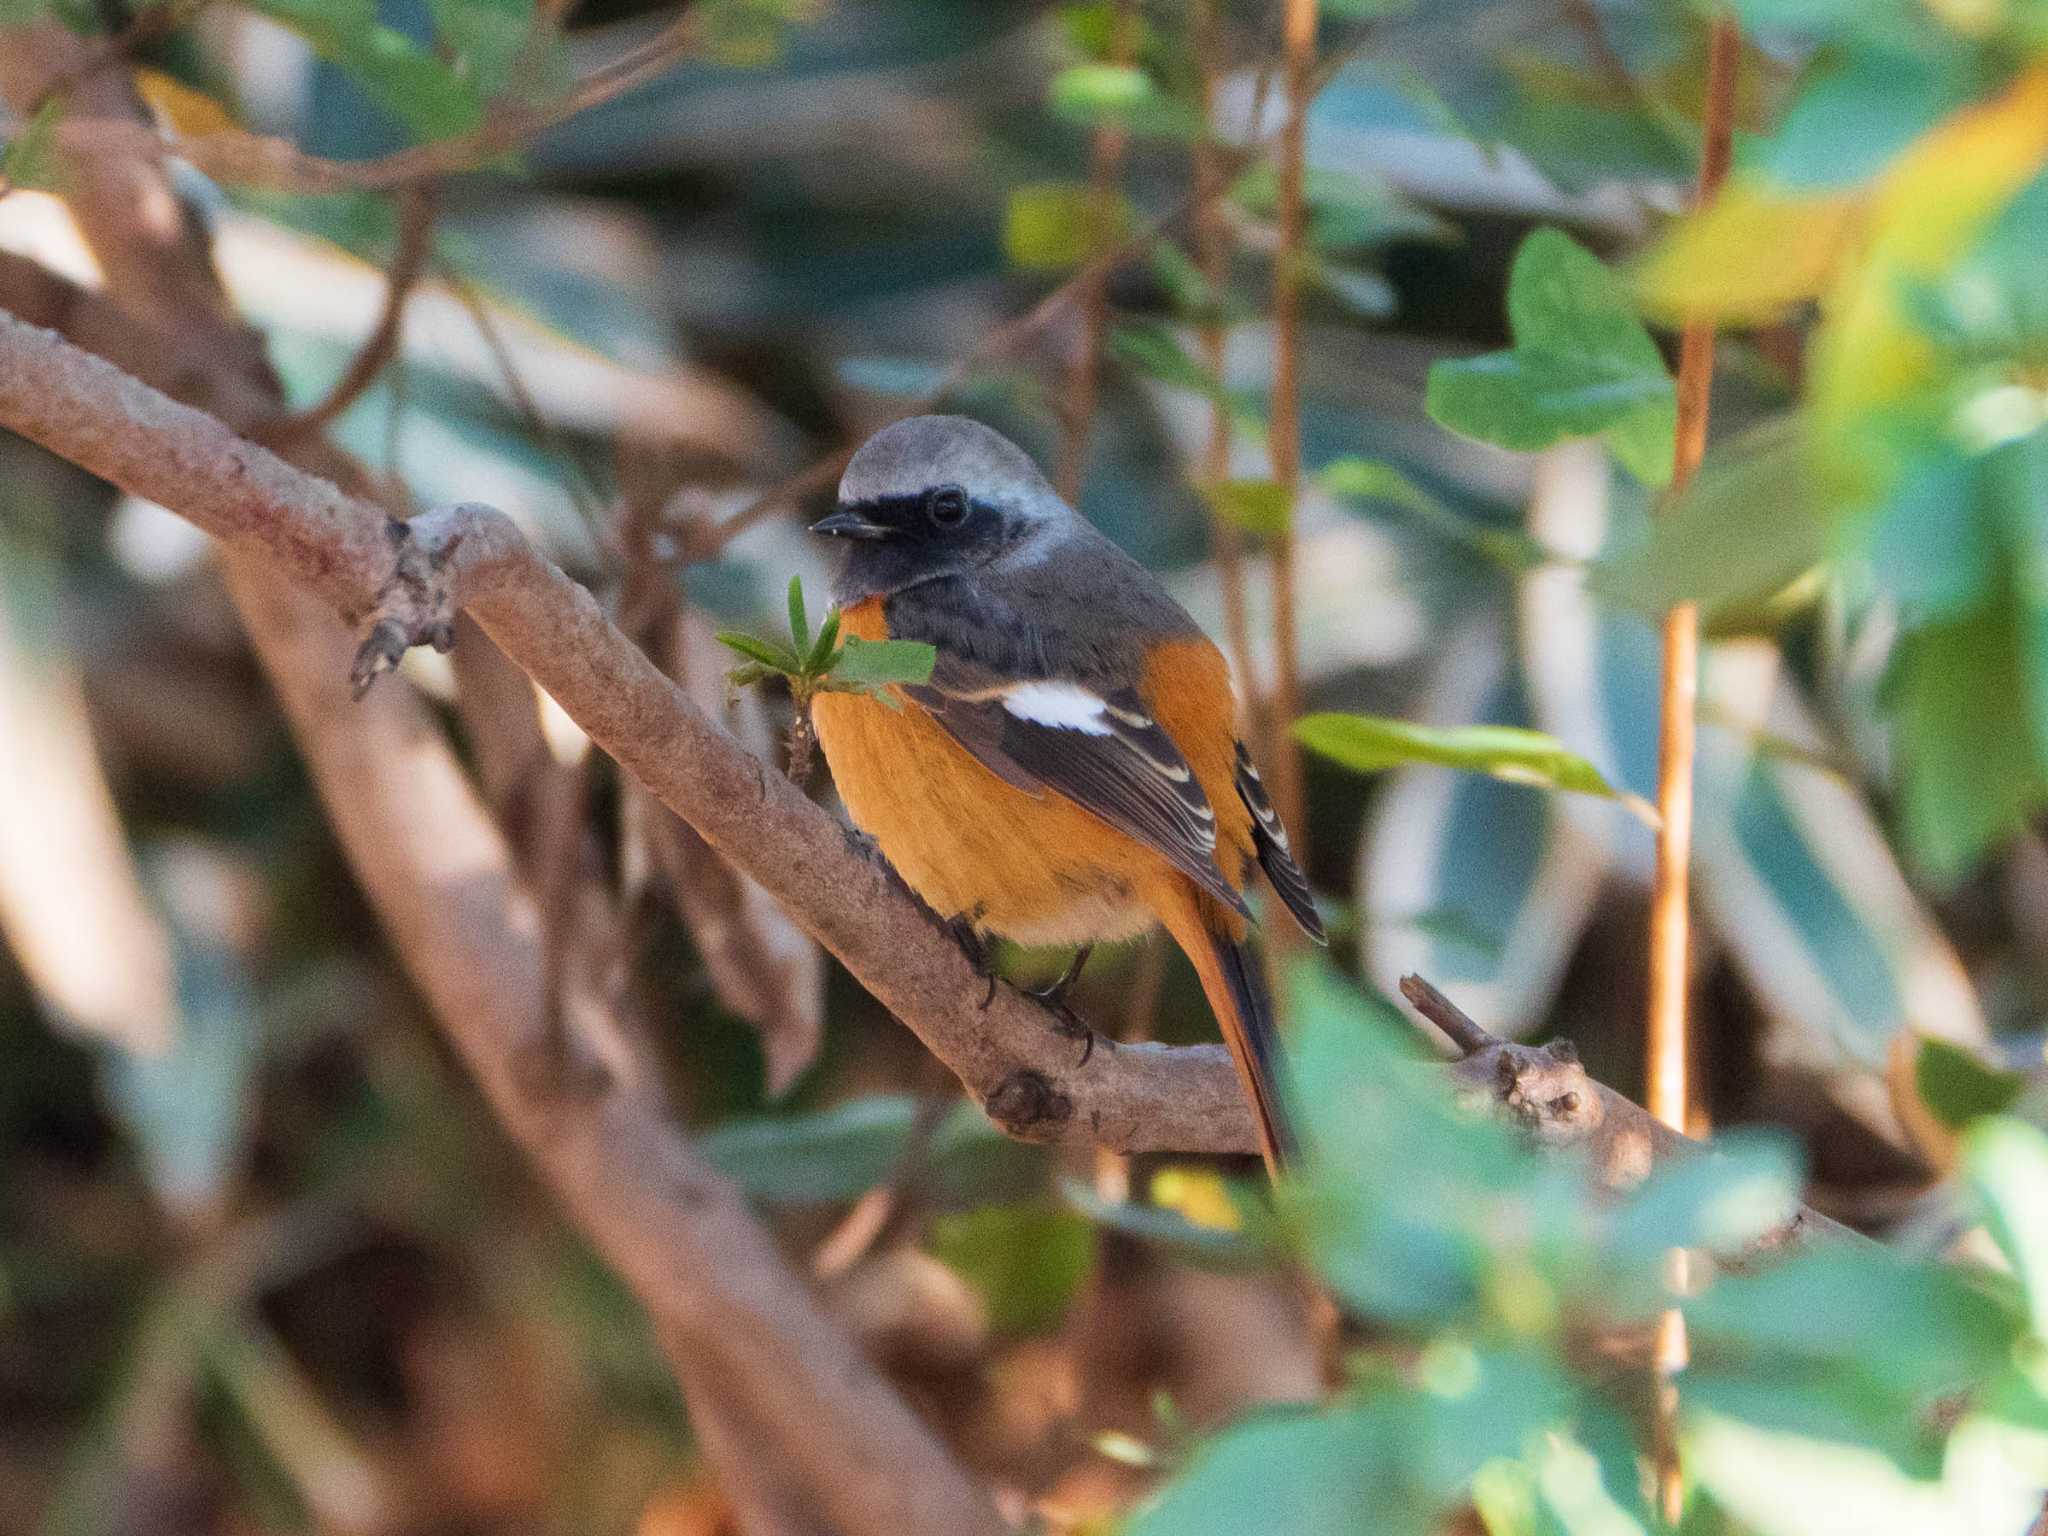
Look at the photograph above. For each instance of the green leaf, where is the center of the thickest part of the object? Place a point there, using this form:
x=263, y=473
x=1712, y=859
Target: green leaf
x=1858, y=109
x=1194, y=298
x=1298, y=1473
x=1722, y=1199
x=1748, y=525
x=1153, y=351
x=2006, y=1162
x=879, y=663
x=1093, y=28
x=191, y=1107
x=1928, y=545
x=1026, y=1262
x=1970, y=772
x=486, y=36
x=1209, y=1247
x=824, y=654
x=1958, y=1087
x=1050, y=226
x=1373, y=743
x=1400, y=1197
x=1257, y=506
x=1913, y=1328
x=1347, y=212
x=400, y=75
x=1582, y=366
x=799, y=621
x=775, y=658
x=1119, y=95
x=2016, y=474
x=1360, y=479
x=839, y=1154
x=30, y=159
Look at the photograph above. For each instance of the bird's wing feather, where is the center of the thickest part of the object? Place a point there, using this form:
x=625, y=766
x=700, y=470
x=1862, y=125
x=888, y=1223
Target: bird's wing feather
x=1269, y=837
x=1101, y=750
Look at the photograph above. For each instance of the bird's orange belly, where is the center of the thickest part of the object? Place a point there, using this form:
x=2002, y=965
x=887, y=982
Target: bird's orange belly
x=1033, y=868
x=1036, y=869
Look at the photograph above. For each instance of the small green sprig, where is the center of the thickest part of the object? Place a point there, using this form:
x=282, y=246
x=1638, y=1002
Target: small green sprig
x=824, y=663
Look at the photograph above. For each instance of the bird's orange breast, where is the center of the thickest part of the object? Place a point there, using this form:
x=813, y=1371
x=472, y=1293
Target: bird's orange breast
x=1032, y=867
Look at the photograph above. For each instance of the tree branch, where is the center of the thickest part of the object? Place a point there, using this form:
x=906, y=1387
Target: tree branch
x=1137, y=1098
x=416, y=206
x=1547, y=1092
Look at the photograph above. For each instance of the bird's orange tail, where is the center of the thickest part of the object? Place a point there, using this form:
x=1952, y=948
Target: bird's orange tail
x=1235, y=984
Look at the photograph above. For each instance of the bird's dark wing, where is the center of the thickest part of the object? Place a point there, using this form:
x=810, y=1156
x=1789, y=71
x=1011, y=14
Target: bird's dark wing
x=1276, y=857
x=1100, y=750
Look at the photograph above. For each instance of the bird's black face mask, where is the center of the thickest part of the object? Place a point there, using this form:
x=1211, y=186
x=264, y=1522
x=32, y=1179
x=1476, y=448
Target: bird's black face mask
x=894, y=542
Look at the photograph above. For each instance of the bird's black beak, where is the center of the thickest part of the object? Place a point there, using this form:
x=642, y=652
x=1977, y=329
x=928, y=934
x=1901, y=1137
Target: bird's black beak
x=847, y=523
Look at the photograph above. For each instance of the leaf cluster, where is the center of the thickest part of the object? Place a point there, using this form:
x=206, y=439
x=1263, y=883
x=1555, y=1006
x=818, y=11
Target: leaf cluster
x=828, y=662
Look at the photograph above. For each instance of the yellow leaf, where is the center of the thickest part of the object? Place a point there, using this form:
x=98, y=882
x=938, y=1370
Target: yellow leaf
x=1198, y=1195
x=1928, y=209
x=191, y=114
x=1749, y=258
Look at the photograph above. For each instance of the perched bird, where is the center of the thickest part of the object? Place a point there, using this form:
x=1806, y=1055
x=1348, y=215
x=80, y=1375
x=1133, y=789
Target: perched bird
x=1072, y=772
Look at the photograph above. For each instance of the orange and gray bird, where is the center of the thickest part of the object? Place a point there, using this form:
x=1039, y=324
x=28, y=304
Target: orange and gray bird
x=1072, y=772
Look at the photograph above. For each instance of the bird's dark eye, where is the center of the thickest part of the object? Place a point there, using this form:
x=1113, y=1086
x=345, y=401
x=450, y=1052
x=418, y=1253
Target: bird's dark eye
x=946, y=506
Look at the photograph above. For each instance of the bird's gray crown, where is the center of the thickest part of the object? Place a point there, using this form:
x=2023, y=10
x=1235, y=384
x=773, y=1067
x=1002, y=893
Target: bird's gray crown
x=920, y=452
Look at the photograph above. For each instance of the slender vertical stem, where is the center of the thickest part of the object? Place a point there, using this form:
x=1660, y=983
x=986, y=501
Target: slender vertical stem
x=1298, y=31
x=1670, y=917
x=1212, y=255
x=1669, y=914
x=1084, y=374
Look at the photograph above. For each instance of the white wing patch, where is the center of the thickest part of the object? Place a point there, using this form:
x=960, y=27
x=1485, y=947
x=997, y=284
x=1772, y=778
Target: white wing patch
x=1064, y=706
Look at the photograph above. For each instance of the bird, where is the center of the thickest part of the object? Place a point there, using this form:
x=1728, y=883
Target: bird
x=1071, y=774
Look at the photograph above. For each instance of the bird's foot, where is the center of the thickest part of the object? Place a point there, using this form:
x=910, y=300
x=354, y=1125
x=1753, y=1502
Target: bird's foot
x=961, y=927
x=1053, y=998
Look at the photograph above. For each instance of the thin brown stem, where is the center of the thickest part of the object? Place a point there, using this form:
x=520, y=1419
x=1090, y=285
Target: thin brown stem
x=1609, y=64
x=1289, y=263
x=1668, y=1047
x=1464, y=1032
x=257, y=160
x=1212, y=255
x=416, y=209
x=1084, y=376
x=1669, y=915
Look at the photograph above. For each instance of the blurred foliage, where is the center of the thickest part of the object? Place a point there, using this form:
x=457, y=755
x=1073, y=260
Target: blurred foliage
x=286, y=1274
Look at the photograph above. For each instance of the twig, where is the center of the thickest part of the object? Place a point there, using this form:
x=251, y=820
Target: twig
x=1467, y=1035
x=258, y=160
x=586, y=495
x=1669, y=916
x=1284, y=437
x=1547, y=1093
x=1084, y=377
x=1668, y=1047
x=144, y=27
x=1600, y=52
x=416, y=208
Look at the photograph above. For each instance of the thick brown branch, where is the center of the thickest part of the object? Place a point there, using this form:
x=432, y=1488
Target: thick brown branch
x=1010, y=1057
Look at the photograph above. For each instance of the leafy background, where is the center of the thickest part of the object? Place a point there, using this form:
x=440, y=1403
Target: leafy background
x=265, y=1262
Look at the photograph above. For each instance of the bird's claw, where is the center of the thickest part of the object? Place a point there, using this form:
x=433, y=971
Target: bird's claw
x=975, y=948
x=1065, y=1022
